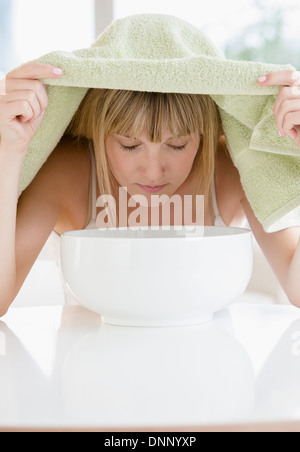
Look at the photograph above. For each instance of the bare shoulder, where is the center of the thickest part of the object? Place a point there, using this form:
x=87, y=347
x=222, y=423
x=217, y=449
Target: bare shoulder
x=228, y=186
x=69, y=151
x=64, y=173
x=71, y=163
x=62, y=184
x=228, y=172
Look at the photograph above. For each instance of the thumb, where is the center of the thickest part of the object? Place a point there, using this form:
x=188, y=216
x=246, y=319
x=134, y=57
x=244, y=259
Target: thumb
x=36, y=124
x=294, y=132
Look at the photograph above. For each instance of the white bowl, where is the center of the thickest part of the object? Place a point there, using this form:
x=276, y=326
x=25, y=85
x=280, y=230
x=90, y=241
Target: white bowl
x=157, y=278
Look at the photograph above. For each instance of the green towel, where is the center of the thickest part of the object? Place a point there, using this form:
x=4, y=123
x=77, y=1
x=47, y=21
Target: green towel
x=162, y=53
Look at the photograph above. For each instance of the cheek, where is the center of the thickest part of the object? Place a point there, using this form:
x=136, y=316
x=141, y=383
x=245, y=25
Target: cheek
x=121, y=165
x=114, y=156
x=185, y=163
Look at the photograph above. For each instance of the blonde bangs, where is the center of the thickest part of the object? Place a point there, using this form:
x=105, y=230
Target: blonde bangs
x=135, y=112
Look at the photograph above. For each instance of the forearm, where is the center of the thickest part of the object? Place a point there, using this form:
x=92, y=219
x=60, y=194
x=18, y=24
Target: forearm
x=10, y=170
x=293, y=280
x=282, y=251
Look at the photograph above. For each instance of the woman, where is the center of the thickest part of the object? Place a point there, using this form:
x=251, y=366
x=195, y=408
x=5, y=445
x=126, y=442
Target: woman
x=154, y=143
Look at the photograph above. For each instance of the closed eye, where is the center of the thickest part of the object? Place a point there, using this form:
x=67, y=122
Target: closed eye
x=128, y=148
x=132, y=148
x=178, y=148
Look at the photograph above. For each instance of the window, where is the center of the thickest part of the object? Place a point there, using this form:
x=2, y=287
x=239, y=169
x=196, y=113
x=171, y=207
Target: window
x=7, y=51
x=257, y=30
x=31, y=28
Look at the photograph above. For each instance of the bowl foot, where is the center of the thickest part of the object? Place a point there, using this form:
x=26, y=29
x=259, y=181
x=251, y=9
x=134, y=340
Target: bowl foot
x=152, y=323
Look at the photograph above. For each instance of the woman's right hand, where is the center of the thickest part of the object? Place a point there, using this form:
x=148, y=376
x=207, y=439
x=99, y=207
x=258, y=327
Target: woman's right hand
x=23, y=101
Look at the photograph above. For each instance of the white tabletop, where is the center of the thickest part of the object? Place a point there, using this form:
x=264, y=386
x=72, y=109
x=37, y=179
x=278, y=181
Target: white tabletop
x=61, y=368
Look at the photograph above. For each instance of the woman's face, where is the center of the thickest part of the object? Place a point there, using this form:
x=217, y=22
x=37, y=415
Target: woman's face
x=138, y=163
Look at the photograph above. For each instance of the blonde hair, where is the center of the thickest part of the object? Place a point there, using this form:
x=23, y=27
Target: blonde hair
x=104, y=112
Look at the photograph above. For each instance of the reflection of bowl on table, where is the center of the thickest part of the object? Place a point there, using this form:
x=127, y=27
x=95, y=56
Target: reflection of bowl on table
x=137, y=377
x=157, y=278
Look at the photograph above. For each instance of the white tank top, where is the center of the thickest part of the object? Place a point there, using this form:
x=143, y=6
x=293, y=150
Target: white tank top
x=92, y=224
x=218, y=219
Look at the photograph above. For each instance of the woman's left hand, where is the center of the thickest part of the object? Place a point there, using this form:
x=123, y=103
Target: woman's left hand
x=287, y=105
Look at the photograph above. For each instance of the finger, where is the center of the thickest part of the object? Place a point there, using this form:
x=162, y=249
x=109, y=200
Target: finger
x=36, y=124
x=23, y=84
x=288, y=78
x=290, y=122
x=27, y=96
x=287, y=106
x=2, y=87
x=296, y=135
x=20, y=109
x=293, y=133
x=35, y=71
x=16, y=85
x=286, y=93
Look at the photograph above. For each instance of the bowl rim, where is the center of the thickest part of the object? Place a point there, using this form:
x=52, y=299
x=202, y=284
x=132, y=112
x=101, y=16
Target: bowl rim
x=229, y=231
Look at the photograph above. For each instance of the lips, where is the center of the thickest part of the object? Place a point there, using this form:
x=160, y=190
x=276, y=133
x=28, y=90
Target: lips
x=152, y=189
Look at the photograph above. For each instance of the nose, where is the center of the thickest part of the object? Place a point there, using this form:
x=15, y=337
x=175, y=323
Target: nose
x=153, y=169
